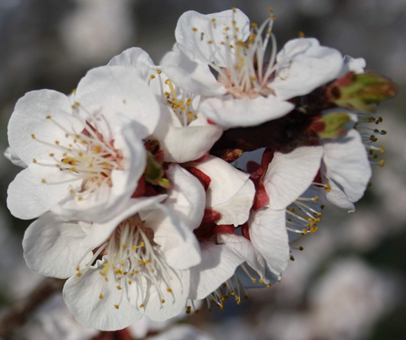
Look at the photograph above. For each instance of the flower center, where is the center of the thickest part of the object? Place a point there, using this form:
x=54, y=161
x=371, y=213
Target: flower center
x=242, y=66
x=132, y=256
x=87, y=155
x=180, y=101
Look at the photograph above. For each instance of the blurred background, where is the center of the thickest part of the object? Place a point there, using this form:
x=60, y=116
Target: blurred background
x=348, y=282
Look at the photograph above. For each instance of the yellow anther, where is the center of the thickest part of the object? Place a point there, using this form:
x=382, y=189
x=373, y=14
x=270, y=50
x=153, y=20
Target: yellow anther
x=32, y=136
x=381, y=149
x=381, y=163
x=292, y=258
x=34, y=160
x=169, y=290
x=142, y=244
x=134, y=247
x=163, y=300
x=254, y=25
x=315, y=199
x=238, y=302
x=213, y=20
x=152, y=76
x=268, y=286
x=79, y=274
x=304, y=231
x=158, y=71
x=101, y=296
x=327, y=187
x=254, y=280
x=72, y=191
x=118, y=287
x=261, y=281
x=43, y=180
x=80, y=198
x=194, y=29
x=234, y=10
x=105, y=269
x=57, y=142
x=73, y=107
x=49, y=117
x=116, y=306
x=124, y=246
x=301, y=35
x=197, y=311
x=129, y=282
x=142, y=305
x=270, y=10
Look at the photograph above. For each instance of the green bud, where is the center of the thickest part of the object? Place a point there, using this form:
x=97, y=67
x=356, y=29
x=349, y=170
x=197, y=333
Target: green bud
x=361, y=92
x=332, y=125
x=153, y=171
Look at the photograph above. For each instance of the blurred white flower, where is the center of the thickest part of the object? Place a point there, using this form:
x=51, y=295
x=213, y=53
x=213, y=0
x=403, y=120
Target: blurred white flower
x=97, y=29
x=347, y=301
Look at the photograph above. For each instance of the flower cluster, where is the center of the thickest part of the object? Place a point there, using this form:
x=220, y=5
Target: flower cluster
x=134, y=180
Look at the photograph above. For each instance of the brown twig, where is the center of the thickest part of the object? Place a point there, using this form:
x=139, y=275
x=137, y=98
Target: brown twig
x=17, y=312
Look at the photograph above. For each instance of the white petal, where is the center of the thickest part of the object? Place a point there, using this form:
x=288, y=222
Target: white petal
x=53, y=247
x=174, y=302
x=31, y=135
x=137, y=59
x=302, y=66
x=82, y=296
x=180, y=214
x=289, y=175
x=13, y=158
x=228, y=111
x=236, y=210
x=28, y=196
x=187, y=196
x=336, y=195
x=246, y=250
x=110, y=90
x=99, y=232
x=226, y=181
x=190, y=75
x=347, y=164
x=183, y=144
x=219, y=263
x=268, y=234
x=195, y=30
x=351, y=64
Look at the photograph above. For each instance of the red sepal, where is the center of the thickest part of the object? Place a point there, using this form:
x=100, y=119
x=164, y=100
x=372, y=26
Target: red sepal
x=211, y=216
x=245, y=231
x=201, y=176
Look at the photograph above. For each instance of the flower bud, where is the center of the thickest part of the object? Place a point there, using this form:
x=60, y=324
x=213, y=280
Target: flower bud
x=360, y=91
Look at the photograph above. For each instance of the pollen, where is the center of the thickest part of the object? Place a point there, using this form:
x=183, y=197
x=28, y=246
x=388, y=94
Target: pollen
x=101, y=296
x=32, y=136
x=49, y=117
x=79, y=274
x=116, y=306
x=194, y=29
x=163, y=300
x=169, y=290
x=34, y=160
x=43, y=180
